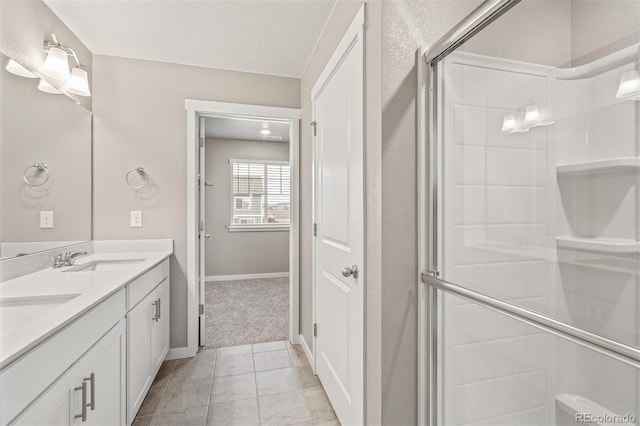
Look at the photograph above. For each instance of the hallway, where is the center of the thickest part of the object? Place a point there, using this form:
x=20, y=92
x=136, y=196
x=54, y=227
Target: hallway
x=262, y=384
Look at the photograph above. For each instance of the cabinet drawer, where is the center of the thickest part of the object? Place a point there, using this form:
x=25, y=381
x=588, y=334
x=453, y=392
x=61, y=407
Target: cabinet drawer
x=30, y=375
x=141, y=286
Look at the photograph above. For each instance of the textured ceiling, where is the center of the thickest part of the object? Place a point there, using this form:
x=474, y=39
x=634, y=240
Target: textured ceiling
x=267, y=37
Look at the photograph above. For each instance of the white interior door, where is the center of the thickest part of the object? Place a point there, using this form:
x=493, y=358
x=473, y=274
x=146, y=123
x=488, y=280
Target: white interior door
x=339, y=215
x=202, y=235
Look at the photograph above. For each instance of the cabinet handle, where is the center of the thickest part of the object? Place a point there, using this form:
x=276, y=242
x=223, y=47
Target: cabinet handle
x=155, y=311
x=92, y=379
x=83, y=414
x=159, y=308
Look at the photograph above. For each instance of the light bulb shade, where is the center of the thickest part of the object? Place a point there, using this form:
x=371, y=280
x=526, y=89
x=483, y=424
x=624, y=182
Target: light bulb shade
x=78, y=83
x=56, y=66
x=15, y=68
x=509, y=123
x=43, y=86
x=265, y=131
x=531, y=115
x=629, y=85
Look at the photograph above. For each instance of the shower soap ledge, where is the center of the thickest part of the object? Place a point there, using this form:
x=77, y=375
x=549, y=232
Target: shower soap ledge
x=603, y=245
x=600, y=166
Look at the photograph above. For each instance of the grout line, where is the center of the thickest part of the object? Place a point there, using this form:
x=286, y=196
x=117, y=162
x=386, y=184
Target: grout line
x=215, y=360
x=255, y=382
x=164, y=391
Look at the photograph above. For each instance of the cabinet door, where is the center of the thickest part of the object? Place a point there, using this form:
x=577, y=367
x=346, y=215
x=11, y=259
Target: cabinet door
x=139, y=374
x=104, y=370
x=160, y=326
x=56, y=406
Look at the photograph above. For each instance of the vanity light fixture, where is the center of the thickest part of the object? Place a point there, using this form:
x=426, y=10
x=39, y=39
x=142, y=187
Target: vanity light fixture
x=509, y=123
x=265, y=131
x=15, y=68
x=531, y=115
x=513, y=124
x=533, y=118
x=629, y=86
x=43, y=86
x=517, y=122
x=56, y=67
x=78, y=83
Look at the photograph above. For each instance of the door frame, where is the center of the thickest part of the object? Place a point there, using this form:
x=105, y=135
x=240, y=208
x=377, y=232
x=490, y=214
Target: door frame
x=354, y=32
x=195, y=109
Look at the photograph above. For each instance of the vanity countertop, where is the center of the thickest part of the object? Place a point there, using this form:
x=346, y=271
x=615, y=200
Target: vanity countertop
x=57, y=297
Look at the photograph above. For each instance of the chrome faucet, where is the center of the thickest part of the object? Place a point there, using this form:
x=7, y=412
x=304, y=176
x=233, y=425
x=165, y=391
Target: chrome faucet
x=58, y=260
x=66, y=259
x=70, y=258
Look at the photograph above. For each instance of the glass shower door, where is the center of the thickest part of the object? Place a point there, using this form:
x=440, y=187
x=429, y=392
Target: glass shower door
x=535, y=144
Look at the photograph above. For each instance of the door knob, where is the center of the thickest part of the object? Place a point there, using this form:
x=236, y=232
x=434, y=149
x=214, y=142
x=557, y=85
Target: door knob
x=350, y=272
x=207, y=235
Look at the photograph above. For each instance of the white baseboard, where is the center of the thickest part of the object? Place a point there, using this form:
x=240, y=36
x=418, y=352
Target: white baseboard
x=179, y=353
x=246, y=276
x=307, y=351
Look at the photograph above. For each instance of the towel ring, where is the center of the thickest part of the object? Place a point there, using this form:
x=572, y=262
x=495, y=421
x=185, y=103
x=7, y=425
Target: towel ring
x=140, y=172
x=40, y=168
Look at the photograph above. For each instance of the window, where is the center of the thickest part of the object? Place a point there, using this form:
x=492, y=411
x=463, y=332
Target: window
x=260, y=195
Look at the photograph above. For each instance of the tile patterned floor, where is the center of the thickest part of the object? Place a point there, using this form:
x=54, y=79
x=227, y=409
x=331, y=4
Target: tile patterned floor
x=260, y=384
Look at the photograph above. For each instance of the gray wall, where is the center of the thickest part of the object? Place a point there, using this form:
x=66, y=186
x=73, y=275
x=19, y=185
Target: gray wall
x=406, y=26
x=25, y=25
x=140, y=120
x=239, y=253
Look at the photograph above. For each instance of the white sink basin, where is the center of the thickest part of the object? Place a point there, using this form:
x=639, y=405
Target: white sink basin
x=104, y=265
x=17, y=311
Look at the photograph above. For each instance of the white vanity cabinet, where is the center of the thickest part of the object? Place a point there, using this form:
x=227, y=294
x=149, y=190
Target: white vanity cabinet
x=97, y=365
x=147, y=334
x=92, y=392
x=86, y=360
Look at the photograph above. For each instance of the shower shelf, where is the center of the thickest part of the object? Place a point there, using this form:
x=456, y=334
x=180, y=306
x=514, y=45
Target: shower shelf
x=600, y=166
x=602, y=245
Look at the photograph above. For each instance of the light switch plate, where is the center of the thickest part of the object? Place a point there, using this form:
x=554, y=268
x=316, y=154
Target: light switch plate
x=46, y=219
x=136, y=219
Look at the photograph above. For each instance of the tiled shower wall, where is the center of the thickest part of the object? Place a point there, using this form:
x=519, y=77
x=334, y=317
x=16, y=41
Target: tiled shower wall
x=497, y=368
x=596, y=291
x=504, y=207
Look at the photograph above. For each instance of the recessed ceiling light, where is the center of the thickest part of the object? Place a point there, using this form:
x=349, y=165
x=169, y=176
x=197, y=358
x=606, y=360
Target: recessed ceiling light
x=265, y=131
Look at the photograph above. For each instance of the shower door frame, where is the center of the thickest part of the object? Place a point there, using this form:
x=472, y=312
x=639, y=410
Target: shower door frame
x=430, y=209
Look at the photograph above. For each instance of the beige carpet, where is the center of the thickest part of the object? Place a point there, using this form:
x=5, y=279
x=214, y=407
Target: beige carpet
x=246, y=311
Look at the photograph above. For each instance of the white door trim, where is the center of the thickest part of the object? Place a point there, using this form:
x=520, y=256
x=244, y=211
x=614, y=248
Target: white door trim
x=195, y=109
x=354, y=32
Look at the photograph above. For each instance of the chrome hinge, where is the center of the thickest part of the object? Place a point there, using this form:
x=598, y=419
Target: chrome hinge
x=201, y=143
x=315, y=229
x=315, y=128
x=315, y=330
x=201, y=309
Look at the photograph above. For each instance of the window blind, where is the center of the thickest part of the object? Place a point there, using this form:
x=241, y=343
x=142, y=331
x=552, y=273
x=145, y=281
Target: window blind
x=261, y=194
